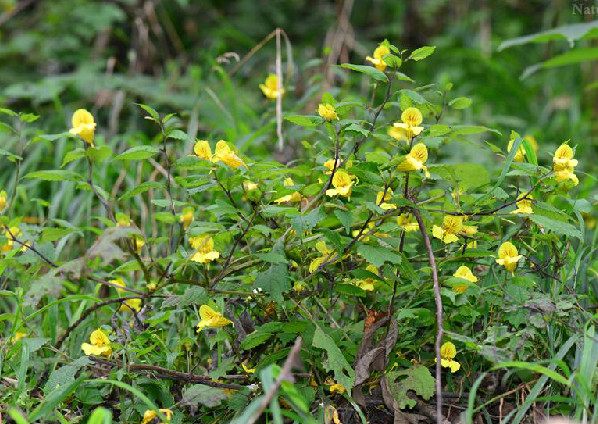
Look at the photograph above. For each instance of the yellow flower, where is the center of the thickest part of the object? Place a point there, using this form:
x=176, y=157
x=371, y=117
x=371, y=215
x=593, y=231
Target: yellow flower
x=326, y=252
x=524, y=205
x=332, y=414
x=339, y=388
x=288, y=182
x=18, y=336
x=564, y=164
x=138, y=243
x=187, y=217
x=448, y=351
x=405, y=222
x=366, y=230
x=205, y=249
x=3, y=201
x=342, y=182
x=131, y=304
x=270, y=87
x=225, y=154
x=211, y=319
x=465, y=273
x=451, y=226
x=149, y=415
x=329, y=164
x=120, y=283
x=203, y=150
x=415, y=160
x=248, y=185
x=123, y=220
x=15, y=231
x=83, y=125
x=100, y=344
x=367, y=284
x=508, y=256
x=327, y=111
x=291, y=198
x=378, y=60
x=247, y=369
x=382, y=199
x=409, y=128
x=299, y=287
x=520, y=152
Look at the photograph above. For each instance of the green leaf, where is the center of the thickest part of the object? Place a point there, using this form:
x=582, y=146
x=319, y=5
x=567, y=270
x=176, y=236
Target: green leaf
x=274, y=281
x=571, y=33
x=137, y=153
x=65, y=375
x=55, y=175
x=336, y=362
x=178, y=135
x=368, y=70
x=141, y=188
x=378, y=255
x=51, y=234
x=422, y=53
x=392, y=61
x=346, y=218
x=198, y=394
x=303, y=223
x=460, y=103
x=152, y=112
x=305, y=120
x=255, y=339
x=99, y=153
x=472, y=129
x=75, y=154
x=466, y=175
x=556, y=226
x=415, y=379
x=192, y=296
x=55, y=397
x=100, y=416
x=535, y=368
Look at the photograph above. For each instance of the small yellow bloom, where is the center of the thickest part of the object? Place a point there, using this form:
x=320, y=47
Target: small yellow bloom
x=406, y=223
x=564, y=164
x=465, y=273
x=339, y=388
x=3, y=201
x=270, y=87
x=123, y=220
x=378, y=60
x=247, y=369
x=326, y=252
x=366, y=230
x=18, y=336
x=288, y=182
x=131, y=304
x=415, y=160
x=382, y=199
x=120, y=283
x=367, y=284
x=329, y=164
x=149, y=415
x=15, y=231
x=291, y=198
x=138, y=243
x=225, y=154
x=451, y=226
x=100, y=344
x=332, y=414
x=508, y=256
x=327, y=111
x=248, y=185
x=299, y=287
x=519, y=156
x=448, y=351
x=187, y=217
x=203, y=150
x=83, y=125
x=409, y=128
x=211, y=319
x=342, y=183
x=204, y=244
x=524, y=205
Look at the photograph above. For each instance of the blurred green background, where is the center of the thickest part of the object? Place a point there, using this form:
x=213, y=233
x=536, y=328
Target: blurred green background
x=183, y=56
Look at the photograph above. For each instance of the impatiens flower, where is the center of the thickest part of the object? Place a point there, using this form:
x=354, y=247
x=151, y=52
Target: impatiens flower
x=468, y=230
x=211, y=319
x=406, y=223
x=329, y=164
x=451, y=226
x=3, y=201
x=378, y=60
x=337, y=387
x=120, y=283
x=270, y=87
x=326, y=252
x=83, y=125
x=138, y=243
x=564, y=164
x=327, y=111
x=288, y=182
x=409, y=128
x=448, y=351
x=342, y=183
x=203, y=150
x=14, y=232
x=100, y=344
x=187, y=217
x=519, y=156
x=367, y=284
x=131, y=304
x=205, y=249
x=524, y=205
x=366, y=230
x=382, y=199
x=508, y=256
x=415, y=160
x=18, y=336
x=465, y=273
x=247, y=369
x=149, y=415
x=290, y=198
x=248, y=185
x=225, y=154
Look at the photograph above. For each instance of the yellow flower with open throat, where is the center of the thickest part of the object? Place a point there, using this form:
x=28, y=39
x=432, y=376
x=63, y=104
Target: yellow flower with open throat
x=9, y=234
x=342, y=183
x=149, y=415
x=451, y=226
x=326, y=252
x=225, y=154
x=378, y=59
x=448, y=351
x=406, y=222
x=100, y=344
x=83, y=125
x=327, y=111
x=383, y=198
x=564, y=164
x=329, y=164
x=508, y=256
x=409, y=128
x=524, y=205
x=211, y=319
x=415, y=160
x=270, y=87
x=367, y=284
x=465, y=273
x=204, y=244
x=203, y=150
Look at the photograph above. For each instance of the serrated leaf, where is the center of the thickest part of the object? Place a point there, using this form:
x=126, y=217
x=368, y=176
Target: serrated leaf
x=204, y=395
x=370, y=71
x=416, y=379
x=138, y=153
x=421, y=53
x=192, y=296
x=460, y=103
x=274, y=281
x=255, y=339
x=65, y=374
x=141, y=188
x=556, y=226
x=305, y=120
x=336, y=361
x=75, y=154
x=378, y=255
x=178, y=135
x=307, y=222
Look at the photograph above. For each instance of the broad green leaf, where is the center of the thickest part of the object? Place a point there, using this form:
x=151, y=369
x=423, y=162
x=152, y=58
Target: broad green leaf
x=466, y=175
x=255, y=339
x=415, y=379
x=178, y=135
x=141, y=188
x=199, y=394
x=378, y=255
x=570, y=33
x=460, y=103
x=274, y=281
x=370, y=71
x=137, y=153
x=152, y=112
x=55, y=175
x=422, y=53
x=75, y=154
x=556, y=226
x=336, y=361
x=305, y=120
